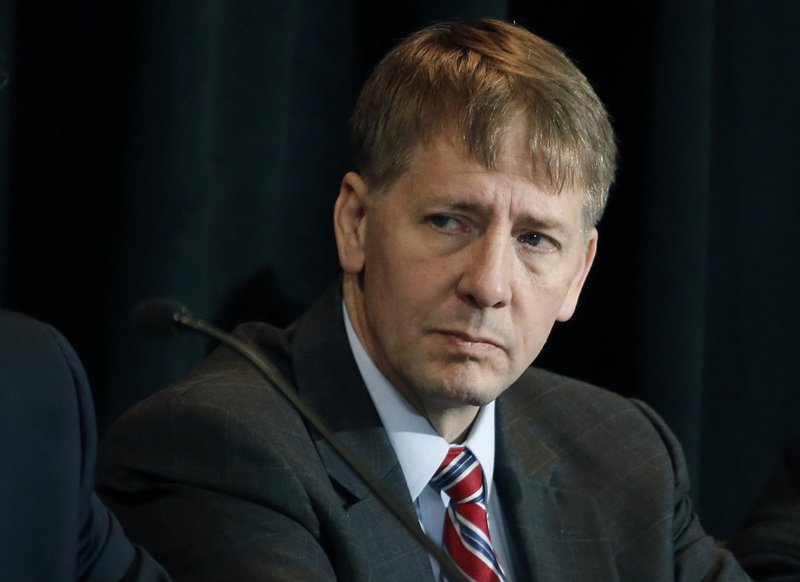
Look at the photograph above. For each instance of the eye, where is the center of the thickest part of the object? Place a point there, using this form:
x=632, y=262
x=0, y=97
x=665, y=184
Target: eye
x=533, y=239
x=444, y=222
x=538, y=241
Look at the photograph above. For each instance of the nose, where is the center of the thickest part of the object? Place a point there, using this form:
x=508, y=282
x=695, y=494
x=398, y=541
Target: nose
x=487, y=272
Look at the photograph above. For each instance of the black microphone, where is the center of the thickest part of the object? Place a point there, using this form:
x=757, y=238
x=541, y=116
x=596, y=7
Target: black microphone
x=159, y=317
x=165, y=317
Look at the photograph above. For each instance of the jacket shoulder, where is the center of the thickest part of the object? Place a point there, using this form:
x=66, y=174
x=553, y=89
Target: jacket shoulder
x=592, y=429
x=557, y=398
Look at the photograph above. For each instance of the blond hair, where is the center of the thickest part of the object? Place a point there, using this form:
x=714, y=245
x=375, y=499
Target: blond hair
x=471, y=80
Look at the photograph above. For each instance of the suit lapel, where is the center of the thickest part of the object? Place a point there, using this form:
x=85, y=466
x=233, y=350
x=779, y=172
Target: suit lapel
x=328, y=380
x=553, y=534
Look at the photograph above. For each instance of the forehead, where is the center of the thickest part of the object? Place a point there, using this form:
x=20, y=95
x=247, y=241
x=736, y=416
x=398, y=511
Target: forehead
x=509, y=151
x=447, y=160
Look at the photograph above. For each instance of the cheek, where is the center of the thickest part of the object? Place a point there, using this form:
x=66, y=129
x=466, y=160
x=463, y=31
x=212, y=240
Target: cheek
x=549, y=289
x=404, y=274
x=395, y=288
x=535, y=313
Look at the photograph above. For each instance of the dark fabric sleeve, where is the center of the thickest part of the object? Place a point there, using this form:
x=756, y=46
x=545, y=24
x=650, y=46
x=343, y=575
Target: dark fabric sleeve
x=768, y=542
x=40, y=453
x=54, y=527
x=696, y=554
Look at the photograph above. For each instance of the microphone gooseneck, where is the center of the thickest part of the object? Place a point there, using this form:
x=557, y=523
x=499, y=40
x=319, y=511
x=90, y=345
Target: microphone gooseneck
x=165, y=317
x=159, y=317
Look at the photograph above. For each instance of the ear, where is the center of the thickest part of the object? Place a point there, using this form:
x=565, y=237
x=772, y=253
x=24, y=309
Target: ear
x=350, y=221
x=587, y=258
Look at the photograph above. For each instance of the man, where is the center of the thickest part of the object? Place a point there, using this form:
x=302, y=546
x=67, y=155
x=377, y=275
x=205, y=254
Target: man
x=53, y=526
x=484, y=160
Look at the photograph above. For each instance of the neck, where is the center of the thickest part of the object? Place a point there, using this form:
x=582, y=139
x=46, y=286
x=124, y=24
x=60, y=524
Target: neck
x=452, y=423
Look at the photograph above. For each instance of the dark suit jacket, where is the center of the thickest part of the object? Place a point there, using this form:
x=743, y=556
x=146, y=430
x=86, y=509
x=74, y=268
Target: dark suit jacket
x=223, y=480
x=52, y=526
x=768, y=541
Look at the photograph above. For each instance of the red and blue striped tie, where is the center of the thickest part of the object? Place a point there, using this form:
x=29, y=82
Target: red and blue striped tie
x=466, y=529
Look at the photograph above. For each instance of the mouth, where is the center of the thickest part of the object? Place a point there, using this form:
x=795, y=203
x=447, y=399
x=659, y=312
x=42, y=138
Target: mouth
x=469, y=343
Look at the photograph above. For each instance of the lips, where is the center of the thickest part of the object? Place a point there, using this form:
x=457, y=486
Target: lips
x=471, y=343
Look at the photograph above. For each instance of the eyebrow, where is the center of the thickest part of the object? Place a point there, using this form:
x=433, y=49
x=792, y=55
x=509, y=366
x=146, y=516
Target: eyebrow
x=528, y=219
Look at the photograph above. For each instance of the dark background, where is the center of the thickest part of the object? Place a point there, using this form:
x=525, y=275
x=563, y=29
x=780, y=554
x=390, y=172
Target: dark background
x=194, y=150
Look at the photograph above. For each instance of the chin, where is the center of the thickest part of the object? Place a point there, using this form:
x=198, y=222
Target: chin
x=484, y=398
x=479, y=389
x=469, y=396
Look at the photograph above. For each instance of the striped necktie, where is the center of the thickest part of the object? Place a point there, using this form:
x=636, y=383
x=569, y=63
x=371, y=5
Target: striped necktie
x=466, y=529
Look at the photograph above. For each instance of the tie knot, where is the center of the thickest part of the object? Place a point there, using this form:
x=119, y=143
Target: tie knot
x=460, y=476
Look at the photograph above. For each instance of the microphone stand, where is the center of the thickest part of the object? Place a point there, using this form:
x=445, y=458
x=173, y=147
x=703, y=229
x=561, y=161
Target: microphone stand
x=159, y=315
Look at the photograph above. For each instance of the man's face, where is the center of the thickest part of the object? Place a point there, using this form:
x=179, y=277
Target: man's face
x=463, y=271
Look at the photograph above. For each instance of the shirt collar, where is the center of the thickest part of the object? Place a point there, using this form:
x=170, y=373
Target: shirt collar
x=419, y=448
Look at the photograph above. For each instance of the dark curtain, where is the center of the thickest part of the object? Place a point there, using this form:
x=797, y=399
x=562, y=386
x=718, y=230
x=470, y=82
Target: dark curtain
x=194, y=150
